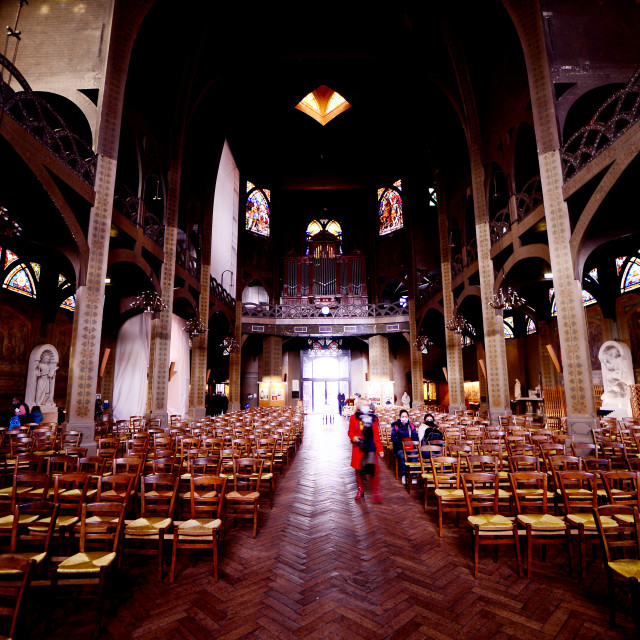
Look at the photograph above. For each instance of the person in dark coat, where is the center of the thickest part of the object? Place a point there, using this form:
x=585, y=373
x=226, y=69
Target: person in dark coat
x=401, y=430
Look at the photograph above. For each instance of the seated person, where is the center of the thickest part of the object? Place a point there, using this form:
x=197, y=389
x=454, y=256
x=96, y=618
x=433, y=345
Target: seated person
x=36, y=414
x=401, y=430
x=428, y=430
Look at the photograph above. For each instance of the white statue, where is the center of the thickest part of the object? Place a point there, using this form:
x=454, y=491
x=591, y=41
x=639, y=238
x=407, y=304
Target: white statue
x=517, y=390
x=43, y=364
x=617, y=375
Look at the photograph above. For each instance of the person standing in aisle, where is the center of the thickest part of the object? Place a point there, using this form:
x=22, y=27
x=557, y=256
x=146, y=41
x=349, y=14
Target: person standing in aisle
x=364, y=433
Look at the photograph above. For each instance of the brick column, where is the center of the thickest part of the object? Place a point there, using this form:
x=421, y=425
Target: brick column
x=494, y=347
x=159, y=358
x=455, y=375
x=84, y=358
x=271, y=361
x=417, y=374
x=199, y=345
x=235, y=363
x=572, y=325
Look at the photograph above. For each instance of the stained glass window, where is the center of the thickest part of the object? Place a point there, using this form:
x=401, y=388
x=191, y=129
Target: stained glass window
x=403, y=301
x=313, y=228
x=334, y=102
x=433, y=198
x=619, y=263
x=36, y=269
x=552, y=300
x=69, y=303
x=20, y=281
x=631, y=277
x=531, y=326
x=257, y=212
x=466, y=341
x=593, y=274
x=61, y=279
x=250, y=186
x=334, y=228
x=390, y=209
x=9, y=258
x=587, y=298
x=508, y=328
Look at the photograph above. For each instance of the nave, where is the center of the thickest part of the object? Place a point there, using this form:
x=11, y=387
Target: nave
x=325, y=566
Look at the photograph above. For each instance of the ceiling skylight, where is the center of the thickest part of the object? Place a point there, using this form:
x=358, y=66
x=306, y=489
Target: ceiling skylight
x=323, y=104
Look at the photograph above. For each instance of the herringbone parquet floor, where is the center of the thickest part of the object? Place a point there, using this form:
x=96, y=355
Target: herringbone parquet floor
x=324, y=566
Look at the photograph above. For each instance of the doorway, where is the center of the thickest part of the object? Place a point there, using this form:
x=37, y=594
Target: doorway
x=323, y=378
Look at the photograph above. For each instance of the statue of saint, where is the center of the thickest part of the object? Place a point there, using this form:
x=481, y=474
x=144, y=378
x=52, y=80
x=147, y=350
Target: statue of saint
x=46, y=369
x=517, y=390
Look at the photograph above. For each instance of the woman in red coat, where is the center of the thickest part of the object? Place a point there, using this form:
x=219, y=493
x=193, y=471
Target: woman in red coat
x=364, y=434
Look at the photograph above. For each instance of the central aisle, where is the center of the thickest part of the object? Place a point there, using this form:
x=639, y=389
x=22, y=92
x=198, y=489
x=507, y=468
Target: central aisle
x=325, y=566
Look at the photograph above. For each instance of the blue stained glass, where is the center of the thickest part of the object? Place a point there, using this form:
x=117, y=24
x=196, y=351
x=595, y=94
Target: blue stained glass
x=531, y=327
x=508, y=327
x=69, y=303
x=257, y=213
x=20, y=281
x=631, y=277
x=587, y=298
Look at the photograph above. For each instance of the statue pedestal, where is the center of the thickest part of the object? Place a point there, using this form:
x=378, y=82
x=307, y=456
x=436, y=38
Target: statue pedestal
x=49, y=415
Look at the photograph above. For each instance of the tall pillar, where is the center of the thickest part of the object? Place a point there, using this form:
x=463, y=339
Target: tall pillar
x=379, y=358
x=271, y=361
x=417, y=374
x=84, y=358
x=482, y=376
x=235, y=362
x=546, y=364
x=159, y=358
x=572, y=324
x=199, y=345
x=494, y=347
x=455, y=375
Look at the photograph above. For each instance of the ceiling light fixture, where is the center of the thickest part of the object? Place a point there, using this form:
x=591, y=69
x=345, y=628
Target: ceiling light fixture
x=195, y=326
x=149, y=302
x=506, y=299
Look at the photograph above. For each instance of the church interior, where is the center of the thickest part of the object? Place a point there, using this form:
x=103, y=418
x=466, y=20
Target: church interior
x=217, y=212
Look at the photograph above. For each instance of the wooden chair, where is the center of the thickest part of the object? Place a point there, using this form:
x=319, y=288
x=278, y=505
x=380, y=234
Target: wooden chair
x=157, y=503
x=30, y=541
x=101, y=526
x=115, y=488
x=12, y=591
x=531, y=497
x=621, y=572
x=481, y=491
x=412, y=465
x=622, y=487
x=201, y=531
x=242, y=502
x=445, y=475
x=580, y=497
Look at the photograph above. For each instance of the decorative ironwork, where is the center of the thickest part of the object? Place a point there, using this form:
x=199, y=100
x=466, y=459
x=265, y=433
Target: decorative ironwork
x=195, y=326
x=42, y=122
x=9, y=228
x=529, y=199
x=149, y=302
x=228, y=345
x=308, y=311
x=500, y=225
x=325, y=347
x=457, y=265
x=427, y=290
x=610, y=122
x=471, y=253
x=506, y=299
x=221, y=294
x=423, y=343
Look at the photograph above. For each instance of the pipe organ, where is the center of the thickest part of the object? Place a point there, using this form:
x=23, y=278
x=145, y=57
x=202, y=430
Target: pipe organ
x=324, y=280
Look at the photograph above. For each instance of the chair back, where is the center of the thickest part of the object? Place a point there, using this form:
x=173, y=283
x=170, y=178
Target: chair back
x=481, y=492
x=158, y=494
x=207, y=496
x=247, y=473
x=101, y=525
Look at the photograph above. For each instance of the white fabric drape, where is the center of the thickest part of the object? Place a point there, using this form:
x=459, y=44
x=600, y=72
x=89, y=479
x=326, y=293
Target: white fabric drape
x=130, y=368
x=178, y=393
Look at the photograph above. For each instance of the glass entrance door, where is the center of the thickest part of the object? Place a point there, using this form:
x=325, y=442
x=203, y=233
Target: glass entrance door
x=323, y=377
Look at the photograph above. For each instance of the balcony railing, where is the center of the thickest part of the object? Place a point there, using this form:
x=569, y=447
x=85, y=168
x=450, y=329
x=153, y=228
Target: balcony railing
x=251, y=310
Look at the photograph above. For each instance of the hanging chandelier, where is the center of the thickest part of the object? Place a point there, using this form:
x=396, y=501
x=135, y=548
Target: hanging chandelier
x=149, y=302
x=506, y=299
x=458, y=324
x=228, y=345
x=195, y=326
x=9, y=228
x=423, y=343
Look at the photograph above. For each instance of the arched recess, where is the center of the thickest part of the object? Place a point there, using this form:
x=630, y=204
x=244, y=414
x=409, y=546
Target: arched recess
x=127, y=256
x=77, y=118
x=522, y=253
